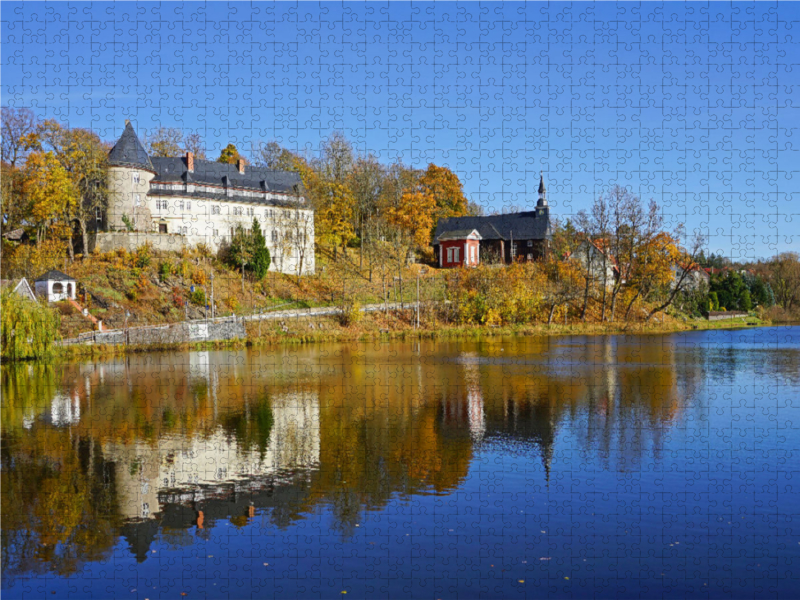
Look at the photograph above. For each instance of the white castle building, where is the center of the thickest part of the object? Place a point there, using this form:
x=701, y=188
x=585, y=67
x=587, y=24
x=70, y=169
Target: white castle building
x=172, y=202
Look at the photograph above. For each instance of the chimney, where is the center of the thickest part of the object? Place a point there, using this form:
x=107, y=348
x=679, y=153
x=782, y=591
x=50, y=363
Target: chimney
x=240, y=162
x=190, y=161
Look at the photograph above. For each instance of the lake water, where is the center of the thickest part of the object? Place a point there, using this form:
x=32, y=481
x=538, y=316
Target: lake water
x=613, y=466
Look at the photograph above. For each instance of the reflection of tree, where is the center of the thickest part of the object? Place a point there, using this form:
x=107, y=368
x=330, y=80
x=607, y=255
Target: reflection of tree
x=252, y=426
x=56, y=510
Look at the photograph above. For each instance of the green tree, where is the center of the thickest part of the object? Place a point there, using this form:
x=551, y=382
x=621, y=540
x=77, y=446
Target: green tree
x=261, y=258
x=28, y=328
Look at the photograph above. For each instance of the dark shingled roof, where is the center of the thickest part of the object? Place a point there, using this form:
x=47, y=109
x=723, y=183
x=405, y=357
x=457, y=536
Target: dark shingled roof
x=175, y=170
x=520, y=226
x=129, y=152
x=54, y=276
x=455, y=234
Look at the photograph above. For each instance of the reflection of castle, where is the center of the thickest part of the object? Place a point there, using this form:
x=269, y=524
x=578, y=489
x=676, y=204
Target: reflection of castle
x=189, y=468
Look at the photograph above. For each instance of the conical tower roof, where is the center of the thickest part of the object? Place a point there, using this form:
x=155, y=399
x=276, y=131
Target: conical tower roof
x=129, y=152
x=541, y=183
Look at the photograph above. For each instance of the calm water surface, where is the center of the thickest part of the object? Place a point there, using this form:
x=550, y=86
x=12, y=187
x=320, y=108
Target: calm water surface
x=564, y=467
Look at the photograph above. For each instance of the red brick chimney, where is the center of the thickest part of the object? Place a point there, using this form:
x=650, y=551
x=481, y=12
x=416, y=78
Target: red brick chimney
x=240, y=162
x=190, y=161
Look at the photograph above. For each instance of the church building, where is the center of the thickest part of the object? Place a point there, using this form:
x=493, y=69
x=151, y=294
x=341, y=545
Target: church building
x=180, y=201
x=468, y=241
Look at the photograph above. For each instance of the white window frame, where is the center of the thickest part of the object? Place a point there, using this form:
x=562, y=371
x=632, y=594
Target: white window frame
x=137, y=199
x=216, y=209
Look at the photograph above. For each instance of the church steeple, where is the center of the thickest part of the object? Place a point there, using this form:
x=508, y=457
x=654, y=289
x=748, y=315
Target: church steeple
x=542, y=192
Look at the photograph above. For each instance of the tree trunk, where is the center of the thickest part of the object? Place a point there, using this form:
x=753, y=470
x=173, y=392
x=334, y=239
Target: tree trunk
x=585, y=300
x=550, y=317
x=71, y=247
x=631, y=303
x=85, y=238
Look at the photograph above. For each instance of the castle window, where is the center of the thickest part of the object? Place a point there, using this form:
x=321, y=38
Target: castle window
x=237, y=210
x=135, y=177
x=215, y=210
x=180, y=205
x=188, y=205
x=137, y=200
x=251, y=212
x=530, y=243
x=161, y=205
x=274, y=236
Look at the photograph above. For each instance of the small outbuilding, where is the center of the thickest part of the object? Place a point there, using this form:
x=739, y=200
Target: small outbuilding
x=55, y=286
x=459, y=248
x=21, y=288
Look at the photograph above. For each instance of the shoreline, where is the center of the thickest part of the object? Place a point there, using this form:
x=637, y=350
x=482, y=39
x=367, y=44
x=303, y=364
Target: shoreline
x=340, y=334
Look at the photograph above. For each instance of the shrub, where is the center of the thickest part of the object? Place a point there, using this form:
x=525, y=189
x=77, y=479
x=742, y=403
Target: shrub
x=177, y=297
x=142, y=256
x=351, y=313
x=28, y=328
x=126, y=220
x=164, y=270
x=199, y=277
x=198, y=297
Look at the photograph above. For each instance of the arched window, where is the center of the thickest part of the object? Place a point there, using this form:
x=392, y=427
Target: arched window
x=58, y=288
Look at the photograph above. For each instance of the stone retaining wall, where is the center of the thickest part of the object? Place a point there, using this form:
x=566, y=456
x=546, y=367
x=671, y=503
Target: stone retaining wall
x=721, y=315
x=176, y=333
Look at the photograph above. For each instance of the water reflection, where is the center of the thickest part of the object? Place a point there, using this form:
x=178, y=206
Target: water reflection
x=170, y=445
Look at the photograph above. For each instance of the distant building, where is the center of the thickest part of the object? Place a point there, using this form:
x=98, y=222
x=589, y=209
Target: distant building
x=55, y=286
x=513, y=237
x=22, y=288
x=591, y=256
x=695, y=280
x=190, y=201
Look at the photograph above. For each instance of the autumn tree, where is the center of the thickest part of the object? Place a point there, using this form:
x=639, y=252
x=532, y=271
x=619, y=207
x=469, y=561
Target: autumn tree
x=783, y=275
x=84, y=156
x=366, y=180
x=447, y=192
x=666, y=266
x=230, y=155
x=52, y=195
x=272, y=155
x=194, y=143
x=166, y=141
x=19, y=127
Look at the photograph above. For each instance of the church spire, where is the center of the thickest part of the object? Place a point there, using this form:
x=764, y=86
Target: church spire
x=542, y=191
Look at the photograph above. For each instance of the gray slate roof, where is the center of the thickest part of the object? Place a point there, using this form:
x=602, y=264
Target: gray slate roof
x=175, y=170
x=54, y=275
x=129, y=152
x=456, y=234
x=519, y=226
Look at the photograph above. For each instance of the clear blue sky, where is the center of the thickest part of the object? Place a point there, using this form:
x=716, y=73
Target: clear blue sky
x=689, y=104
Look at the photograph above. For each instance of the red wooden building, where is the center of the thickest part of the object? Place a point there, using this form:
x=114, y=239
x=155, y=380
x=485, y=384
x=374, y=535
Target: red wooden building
x=459, y=248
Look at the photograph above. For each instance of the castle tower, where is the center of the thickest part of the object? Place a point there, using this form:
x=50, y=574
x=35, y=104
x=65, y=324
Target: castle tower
x=129, y=174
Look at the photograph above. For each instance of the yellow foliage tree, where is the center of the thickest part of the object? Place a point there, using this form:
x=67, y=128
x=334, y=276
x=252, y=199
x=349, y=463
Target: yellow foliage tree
x=413, y=216
x=52, y=194
x=446, y=189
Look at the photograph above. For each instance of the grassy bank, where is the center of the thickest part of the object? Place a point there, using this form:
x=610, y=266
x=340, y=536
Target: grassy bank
x=397, y=328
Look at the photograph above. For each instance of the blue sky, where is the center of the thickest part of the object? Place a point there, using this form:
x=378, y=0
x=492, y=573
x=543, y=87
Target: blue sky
x=690, y=104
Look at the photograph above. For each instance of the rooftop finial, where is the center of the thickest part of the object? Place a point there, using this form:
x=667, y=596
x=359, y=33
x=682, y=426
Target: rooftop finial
x=542, y=191
x=127, y=121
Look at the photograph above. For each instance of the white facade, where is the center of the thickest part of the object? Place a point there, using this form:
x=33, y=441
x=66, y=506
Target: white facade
x=55, y=291
x=288, y=229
